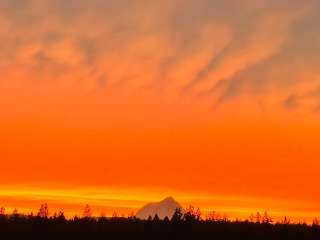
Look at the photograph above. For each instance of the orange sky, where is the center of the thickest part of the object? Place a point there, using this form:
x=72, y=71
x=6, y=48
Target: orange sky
x=118, y=103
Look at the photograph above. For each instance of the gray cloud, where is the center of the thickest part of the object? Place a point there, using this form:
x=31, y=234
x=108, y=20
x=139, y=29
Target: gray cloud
x=226, y=48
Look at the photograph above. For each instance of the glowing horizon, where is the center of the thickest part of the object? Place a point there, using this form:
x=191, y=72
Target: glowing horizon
x=127, y=201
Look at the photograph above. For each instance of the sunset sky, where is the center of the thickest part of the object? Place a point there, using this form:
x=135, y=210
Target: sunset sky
x=117, y=103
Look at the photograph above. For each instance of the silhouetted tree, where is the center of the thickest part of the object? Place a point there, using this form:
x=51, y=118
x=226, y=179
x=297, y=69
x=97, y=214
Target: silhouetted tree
x=115, y=215
x=190, y=215
x=61, y=216
x=2, y=211
x=258, y=217
x=285, y=221
x=156, y=218
x=177, y=216
x=225, y=217
x=131, y=216
x=2, y=214
x=251, y=218
x=87, y=213
x=15, y=212
x=15, y=215
x=266, y=219
x=43, y=211
x=31, y=215
x=211, y=217
x=198, y=214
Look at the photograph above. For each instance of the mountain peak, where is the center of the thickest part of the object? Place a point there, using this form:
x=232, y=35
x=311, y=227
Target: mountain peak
x=164, y=208
x=168, y=200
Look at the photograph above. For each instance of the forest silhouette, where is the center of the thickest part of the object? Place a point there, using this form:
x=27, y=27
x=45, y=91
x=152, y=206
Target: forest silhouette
x=187, y=225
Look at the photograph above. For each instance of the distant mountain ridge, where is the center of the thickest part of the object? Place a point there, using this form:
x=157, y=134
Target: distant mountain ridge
x=164, y=208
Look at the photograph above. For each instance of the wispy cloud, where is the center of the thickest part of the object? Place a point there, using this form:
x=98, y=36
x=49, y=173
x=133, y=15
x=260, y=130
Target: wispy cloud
x=205, y=48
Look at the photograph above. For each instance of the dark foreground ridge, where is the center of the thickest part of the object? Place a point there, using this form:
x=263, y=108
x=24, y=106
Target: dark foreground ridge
x=181, y=226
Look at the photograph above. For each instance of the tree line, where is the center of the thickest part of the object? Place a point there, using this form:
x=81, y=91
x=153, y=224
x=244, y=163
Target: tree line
x=188, y=224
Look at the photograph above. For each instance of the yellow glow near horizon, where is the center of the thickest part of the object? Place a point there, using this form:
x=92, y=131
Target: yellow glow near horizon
x=125, y=201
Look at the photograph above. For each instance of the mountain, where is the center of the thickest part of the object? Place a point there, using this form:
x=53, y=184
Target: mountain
x=164, y=208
